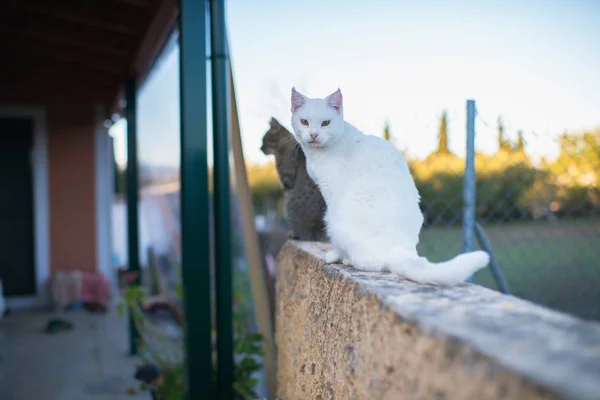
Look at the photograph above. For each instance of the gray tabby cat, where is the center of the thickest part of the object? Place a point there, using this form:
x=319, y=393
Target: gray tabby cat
x=304, y=204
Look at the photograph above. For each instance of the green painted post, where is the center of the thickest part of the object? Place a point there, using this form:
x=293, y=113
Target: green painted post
x=195, y=224
x=133, y=241
x=222, y=199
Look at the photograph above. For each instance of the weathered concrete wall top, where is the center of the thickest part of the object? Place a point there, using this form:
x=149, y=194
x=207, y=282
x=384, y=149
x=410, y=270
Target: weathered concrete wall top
x=348, y=334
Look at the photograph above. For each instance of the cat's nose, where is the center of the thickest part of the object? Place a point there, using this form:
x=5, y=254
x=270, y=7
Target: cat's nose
x=313, y=135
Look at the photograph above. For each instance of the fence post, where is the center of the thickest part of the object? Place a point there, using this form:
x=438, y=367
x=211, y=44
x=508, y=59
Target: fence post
x=469, y=189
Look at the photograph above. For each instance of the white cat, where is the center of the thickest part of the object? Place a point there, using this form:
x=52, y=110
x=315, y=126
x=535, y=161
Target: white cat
x=373, y=217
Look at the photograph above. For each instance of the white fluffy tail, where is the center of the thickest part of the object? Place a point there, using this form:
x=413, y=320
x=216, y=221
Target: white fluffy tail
x=449, y=272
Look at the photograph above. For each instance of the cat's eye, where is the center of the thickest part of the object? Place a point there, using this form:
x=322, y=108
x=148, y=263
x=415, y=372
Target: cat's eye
x=304, y=122
x=325, y=123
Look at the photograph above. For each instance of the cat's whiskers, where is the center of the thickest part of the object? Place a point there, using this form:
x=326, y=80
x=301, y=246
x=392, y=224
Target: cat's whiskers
x=297, y=148
x=289, y=139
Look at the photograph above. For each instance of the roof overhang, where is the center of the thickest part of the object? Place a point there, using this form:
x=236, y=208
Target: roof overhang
x=79, y=49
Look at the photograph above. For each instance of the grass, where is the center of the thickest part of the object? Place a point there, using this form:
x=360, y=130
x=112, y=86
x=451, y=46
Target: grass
x=556, y=264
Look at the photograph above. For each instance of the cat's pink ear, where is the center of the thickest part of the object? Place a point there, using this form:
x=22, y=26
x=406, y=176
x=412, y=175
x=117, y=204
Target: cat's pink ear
x=335, y=100
x=297, y=100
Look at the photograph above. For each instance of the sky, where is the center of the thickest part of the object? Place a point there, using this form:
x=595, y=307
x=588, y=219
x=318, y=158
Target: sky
x=534, y=62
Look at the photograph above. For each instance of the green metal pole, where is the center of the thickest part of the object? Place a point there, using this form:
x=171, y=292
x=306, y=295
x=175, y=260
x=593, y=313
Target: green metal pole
x=195, y=224
x=133, y=242
x=222, y=199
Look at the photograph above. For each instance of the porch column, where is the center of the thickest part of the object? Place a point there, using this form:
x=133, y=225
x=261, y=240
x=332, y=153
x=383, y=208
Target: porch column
x=133, y=240
x=222, y=199
x=195, y=224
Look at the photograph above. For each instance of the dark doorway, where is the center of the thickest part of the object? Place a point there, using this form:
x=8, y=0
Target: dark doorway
x=17, y=268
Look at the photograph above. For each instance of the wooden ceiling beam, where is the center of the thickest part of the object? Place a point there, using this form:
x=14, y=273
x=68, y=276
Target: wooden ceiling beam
x=118, y=10
x=31, y=69
x=58, y=79
x=137, y=3
x=86, y=61
x=49, y=81
x=83, y=35
x=31, y=66
x=48, y=92
x=67, y=41
x=89, y=20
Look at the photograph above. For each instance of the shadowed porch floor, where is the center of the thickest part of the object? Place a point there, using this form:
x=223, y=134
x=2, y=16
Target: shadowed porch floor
x=88, y=362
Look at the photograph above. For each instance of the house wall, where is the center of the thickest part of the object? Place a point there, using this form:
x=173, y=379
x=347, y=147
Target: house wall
x=72, y=188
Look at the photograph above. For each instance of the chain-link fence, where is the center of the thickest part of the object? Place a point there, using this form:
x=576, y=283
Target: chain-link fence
x=537, y=202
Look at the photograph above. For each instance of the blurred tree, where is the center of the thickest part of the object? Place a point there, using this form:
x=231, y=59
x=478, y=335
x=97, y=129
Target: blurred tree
x=266, y=188
x=443, y=135
x=520, y=142
x=578, y=163
x=503, y=144
x=500, y=125
x=386, y=131
x=509, y=185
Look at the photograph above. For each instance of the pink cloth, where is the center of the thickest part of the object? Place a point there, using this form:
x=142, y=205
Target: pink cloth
x=69, y=287
x=95, y=288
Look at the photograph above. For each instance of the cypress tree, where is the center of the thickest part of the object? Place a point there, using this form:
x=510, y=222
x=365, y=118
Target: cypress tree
x=386, y=131
x=443, y=135
x=520, y=142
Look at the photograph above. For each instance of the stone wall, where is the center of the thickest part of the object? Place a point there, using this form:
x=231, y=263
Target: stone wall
x=347, y=334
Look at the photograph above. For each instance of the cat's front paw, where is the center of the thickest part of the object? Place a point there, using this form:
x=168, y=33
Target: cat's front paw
x=347, y=262
x=332, y=257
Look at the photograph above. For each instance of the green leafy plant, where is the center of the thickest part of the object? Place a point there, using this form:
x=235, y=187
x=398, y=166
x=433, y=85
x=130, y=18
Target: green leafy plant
x=155, y=349
x=172, y=385
x=247, y=348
